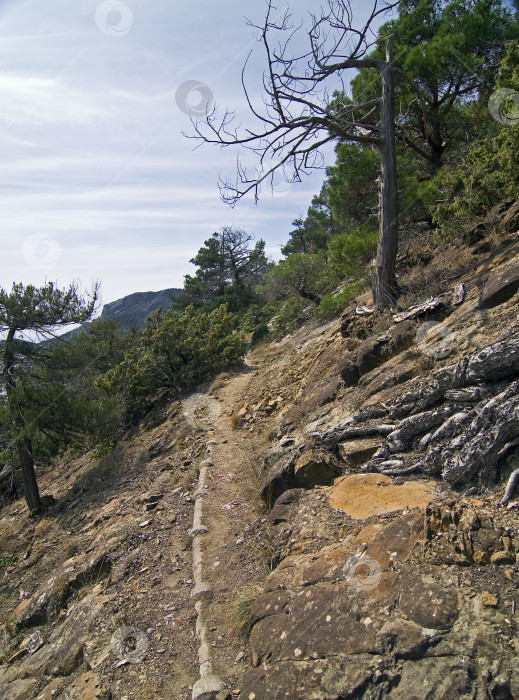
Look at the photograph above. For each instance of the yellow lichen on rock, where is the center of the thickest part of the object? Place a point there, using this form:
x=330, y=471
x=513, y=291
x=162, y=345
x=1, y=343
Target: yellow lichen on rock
x=364, y=495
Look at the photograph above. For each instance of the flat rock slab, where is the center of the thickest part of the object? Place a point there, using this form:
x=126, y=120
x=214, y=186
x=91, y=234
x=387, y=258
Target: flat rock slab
x=318, y=679
x=21, y=689
x=364, y=495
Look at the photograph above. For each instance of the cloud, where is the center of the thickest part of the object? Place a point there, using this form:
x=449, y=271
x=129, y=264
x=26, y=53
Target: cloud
x=28, y=99
x=93, y=155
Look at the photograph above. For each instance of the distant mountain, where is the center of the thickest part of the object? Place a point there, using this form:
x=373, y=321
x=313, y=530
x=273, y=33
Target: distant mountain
x=131, y=311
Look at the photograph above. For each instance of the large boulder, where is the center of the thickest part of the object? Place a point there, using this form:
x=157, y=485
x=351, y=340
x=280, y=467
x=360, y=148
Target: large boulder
x=279, y=479
x=338, y=623
x=500, y=286
x=315, y=467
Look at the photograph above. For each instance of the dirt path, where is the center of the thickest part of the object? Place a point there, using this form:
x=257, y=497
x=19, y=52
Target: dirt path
x=235, y=553
x=137, y=504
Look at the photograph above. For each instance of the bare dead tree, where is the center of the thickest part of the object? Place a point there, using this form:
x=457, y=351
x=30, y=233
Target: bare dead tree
x=300, y=115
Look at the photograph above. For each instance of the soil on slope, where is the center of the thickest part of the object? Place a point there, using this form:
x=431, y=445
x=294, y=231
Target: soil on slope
x=134, y=508
x=140, y=499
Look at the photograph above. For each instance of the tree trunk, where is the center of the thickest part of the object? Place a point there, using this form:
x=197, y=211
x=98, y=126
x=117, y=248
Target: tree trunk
x=23, y=443
x=30, y=485
x=310, y=296
x=384, y=283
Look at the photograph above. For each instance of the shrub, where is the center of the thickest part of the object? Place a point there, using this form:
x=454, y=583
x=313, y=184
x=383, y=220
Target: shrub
x=351, y=252
x=259, y=333
x=177, y=352
x=332, y=305
x=489, y=173
x=243, y=607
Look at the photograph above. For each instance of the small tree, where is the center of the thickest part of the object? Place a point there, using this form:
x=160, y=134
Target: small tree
x=229, y=260
x=40, y=311
x=305, y=274
x=299, y=116
x=312, y=234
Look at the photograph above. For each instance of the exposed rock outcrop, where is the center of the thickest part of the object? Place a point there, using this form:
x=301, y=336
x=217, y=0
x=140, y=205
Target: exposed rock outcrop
x=393, y=611
x=457, y=424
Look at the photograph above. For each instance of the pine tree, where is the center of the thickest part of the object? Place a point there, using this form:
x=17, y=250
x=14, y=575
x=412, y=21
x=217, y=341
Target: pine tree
x=38, y=311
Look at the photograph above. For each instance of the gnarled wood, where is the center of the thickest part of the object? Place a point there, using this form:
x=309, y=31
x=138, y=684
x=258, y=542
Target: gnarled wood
x=458, y=424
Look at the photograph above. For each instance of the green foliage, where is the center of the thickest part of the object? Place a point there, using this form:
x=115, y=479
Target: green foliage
x=6, y=558
x=259, y=333
x=40, y=311
x=312, y=234
x=43, y=309
x=63, y=407
x=332, y=305
x=307, y=275
x=229, y=267
x=351, y=252
x=290, y=314
x=104, y=448
x=177, y=351
x=255, y=315
x=489, y=173
x=352, y=185
x=450, y=51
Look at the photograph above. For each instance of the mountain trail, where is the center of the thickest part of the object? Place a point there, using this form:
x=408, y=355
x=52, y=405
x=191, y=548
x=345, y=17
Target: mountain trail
x=234, y=555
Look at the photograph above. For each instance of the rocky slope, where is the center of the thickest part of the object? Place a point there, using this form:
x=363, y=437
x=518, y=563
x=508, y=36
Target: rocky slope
x=132, y=310
x=344, y=486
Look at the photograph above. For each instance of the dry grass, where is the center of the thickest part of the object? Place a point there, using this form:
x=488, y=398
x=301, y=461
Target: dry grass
x=243, y=608
x=315, y=395
x=433, y=272
x=218, y=382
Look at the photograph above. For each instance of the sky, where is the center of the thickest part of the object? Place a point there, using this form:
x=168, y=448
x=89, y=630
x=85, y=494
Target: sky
x=97, y=180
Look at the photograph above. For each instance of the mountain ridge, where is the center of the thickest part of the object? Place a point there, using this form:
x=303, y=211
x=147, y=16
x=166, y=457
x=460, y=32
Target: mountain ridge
x=132, y=309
